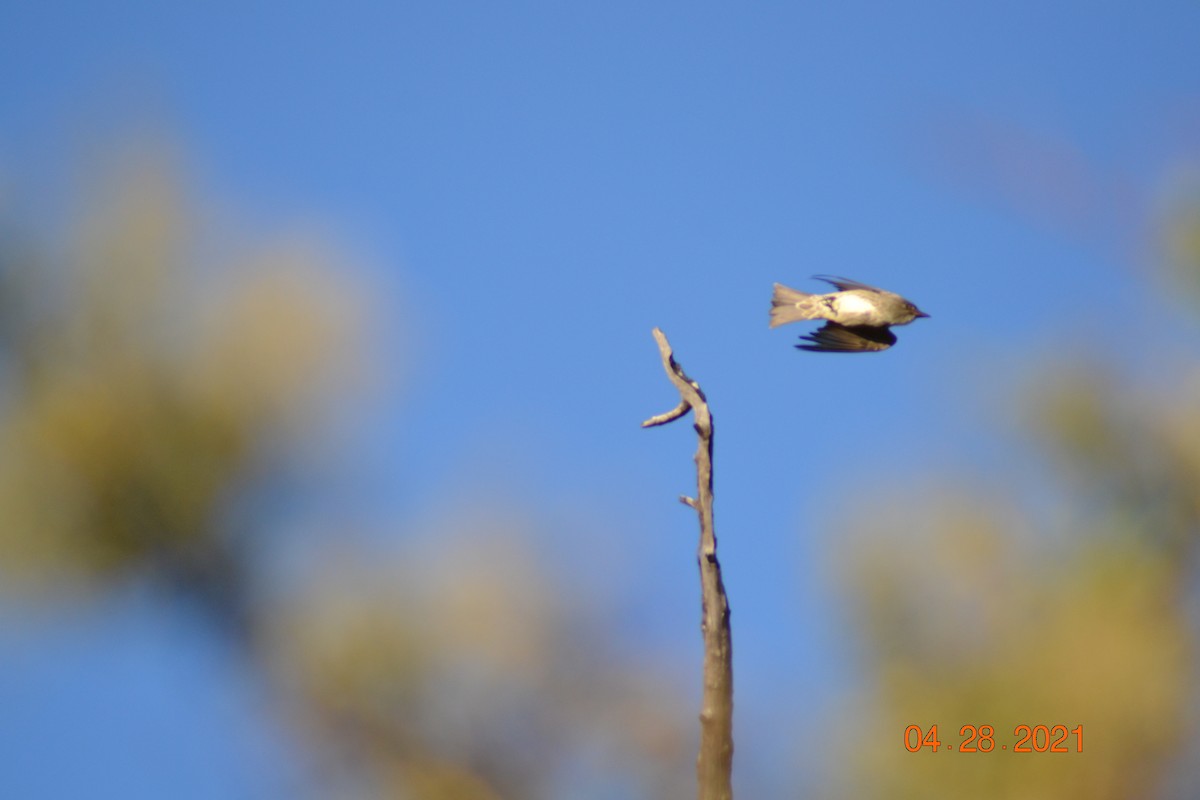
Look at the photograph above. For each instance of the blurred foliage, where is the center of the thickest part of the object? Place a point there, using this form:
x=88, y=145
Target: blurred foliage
x=144, y=392
x=464, y=671
x=1130, y=453
x=969, y=619
x=1183, y=243
x=137, y=396
x=139, y=392
x=975, y=613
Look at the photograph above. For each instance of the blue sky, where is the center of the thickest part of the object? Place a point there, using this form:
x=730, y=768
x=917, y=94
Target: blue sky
x=533, y=186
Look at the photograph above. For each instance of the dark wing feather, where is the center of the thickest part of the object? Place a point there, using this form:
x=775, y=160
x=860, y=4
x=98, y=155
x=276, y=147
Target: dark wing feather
x=845, y=284
x=834, y=338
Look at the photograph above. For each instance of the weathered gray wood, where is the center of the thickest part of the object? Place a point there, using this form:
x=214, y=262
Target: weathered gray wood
x=714, y=764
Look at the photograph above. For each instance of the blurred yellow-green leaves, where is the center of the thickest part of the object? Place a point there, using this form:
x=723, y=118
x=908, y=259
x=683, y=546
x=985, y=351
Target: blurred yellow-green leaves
x=142, y=385
x=982, y=607
x=151, y=372
x=465, y=670
x=1182, y=237
x=972, y=618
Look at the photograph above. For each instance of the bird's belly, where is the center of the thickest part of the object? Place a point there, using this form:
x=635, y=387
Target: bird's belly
x=851, y=309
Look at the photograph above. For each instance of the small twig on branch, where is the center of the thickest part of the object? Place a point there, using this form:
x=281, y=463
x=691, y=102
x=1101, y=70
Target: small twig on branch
x=670, y=416
x=714, y=764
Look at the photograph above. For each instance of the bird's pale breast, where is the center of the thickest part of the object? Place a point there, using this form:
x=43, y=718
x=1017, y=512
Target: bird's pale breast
x=854, y=309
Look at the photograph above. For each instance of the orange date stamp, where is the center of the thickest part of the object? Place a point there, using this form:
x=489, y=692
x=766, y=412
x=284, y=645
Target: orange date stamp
x=982, y=739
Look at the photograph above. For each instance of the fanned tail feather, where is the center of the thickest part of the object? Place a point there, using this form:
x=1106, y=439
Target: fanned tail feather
x=791, y=305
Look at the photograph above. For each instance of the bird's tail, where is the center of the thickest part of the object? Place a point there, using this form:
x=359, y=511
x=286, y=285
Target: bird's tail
x=792, y=305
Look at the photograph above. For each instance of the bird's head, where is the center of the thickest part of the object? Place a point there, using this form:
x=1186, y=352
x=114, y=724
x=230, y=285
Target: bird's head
x=911, y=312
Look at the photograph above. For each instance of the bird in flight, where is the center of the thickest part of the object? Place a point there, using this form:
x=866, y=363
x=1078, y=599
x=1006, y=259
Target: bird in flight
x=858, y=317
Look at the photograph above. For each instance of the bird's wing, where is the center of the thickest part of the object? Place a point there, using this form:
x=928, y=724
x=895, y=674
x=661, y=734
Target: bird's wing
x=834, y=338
x=845, y=284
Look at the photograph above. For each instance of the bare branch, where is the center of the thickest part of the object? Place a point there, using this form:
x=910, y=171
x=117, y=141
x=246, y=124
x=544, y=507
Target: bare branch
x=670, y=416
x=714, y=764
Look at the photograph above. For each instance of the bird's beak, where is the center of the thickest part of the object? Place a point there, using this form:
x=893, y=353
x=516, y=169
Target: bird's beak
x=921, y=314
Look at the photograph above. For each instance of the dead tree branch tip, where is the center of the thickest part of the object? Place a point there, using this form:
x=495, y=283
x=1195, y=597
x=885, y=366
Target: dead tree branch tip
x=714, y=764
